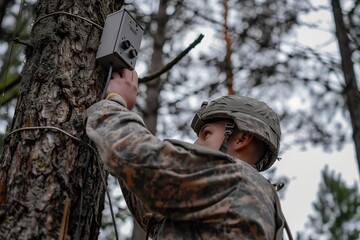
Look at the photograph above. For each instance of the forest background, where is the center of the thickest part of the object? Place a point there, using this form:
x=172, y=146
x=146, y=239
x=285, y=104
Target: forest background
x=286, y=53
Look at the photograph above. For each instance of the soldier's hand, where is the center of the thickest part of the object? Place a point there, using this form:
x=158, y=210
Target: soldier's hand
x=126, y=85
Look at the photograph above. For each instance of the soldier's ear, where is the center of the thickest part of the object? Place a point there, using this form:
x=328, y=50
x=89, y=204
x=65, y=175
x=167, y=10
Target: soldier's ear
x=242, y=140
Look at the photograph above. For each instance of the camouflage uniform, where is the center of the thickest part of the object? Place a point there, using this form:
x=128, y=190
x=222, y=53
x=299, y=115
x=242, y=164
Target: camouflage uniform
x=177, y=190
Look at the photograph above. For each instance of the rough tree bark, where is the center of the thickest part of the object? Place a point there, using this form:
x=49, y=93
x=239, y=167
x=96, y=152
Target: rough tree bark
x=42, y=171
x=351, y=90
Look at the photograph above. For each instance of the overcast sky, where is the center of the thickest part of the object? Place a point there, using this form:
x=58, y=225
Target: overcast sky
x=304, y=167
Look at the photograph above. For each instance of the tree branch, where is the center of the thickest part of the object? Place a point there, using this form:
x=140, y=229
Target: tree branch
x=22, y=42
x=168, y=66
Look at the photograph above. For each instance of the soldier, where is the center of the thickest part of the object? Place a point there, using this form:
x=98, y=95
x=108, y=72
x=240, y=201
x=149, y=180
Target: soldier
x=207, y=190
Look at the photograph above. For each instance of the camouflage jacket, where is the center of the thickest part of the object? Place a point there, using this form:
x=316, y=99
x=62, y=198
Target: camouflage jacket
x=177, y=190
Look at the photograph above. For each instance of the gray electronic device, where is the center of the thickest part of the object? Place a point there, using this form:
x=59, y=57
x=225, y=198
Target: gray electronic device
x=120, y=41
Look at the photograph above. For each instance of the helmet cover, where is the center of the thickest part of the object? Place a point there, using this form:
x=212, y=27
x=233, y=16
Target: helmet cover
x=249, y=115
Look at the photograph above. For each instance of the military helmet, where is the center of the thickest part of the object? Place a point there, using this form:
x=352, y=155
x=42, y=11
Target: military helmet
x=249, y=115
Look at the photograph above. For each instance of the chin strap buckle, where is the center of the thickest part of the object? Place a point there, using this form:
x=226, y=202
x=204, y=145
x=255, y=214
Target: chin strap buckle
x=229, y=129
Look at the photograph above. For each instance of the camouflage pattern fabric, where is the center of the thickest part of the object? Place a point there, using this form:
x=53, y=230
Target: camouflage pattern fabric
x=177, y=190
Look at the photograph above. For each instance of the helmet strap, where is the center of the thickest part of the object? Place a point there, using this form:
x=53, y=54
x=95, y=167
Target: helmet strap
x=264, y=161
x=229, y=129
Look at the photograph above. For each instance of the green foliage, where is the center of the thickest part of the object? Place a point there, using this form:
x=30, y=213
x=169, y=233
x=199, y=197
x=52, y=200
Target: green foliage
x=15, y=28
x=337, y=210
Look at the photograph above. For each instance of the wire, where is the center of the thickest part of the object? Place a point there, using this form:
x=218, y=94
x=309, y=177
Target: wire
x=82, y=193
x=107, y=82
x=54, y=128
x=70, y=14
x=107, y=193
x=88, y=161
x=88, y=158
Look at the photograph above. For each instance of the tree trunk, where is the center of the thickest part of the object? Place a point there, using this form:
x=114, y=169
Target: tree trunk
x=227, y=61
x=42, y=171
x=154, y=87
x=351, y=90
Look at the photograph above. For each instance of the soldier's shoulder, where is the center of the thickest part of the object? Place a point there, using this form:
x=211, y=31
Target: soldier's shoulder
x=200, y=150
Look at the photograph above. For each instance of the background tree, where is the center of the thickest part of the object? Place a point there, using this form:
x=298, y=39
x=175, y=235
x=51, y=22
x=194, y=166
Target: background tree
x=350, y=89
x=327, y=88
x=14, y=28
x=161, y=25
x=337, y=210
x=43, y=189
x=267, y=64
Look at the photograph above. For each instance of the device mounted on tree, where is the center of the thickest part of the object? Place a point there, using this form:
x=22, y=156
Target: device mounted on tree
x=120, y=41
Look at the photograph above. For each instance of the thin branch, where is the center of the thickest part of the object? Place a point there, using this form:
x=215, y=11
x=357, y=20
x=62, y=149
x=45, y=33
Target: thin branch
x=7, y=87
x=22, y=42
x=168, y=66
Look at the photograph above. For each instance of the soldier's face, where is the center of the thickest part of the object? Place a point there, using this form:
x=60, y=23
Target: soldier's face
x=211, y=135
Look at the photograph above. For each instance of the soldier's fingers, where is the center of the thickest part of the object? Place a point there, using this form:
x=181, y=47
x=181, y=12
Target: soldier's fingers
x=126, y=74
x=135, y=76
x=115, y=75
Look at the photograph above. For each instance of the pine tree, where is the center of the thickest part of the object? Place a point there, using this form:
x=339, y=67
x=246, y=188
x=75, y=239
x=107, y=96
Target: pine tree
x=44, y=191
x=337, y=210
